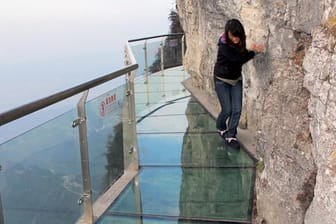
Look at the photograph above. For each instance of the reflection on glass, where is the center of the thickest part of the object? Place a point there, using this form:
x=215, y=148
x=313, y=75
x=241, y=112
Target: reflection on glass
x=159, y=90
x=185, y=175
x=104, y=122
x=205, y=150
x=138, y=50
x=164, y=190
x=188, y=193
x=40, y=177
x=216, y=193
x=187, y=137
x=172, y=54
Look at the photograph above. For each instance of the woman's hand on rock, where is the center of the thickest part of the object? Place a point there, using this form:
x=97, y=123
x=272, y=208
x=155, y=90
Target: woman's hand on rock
x=257, y=47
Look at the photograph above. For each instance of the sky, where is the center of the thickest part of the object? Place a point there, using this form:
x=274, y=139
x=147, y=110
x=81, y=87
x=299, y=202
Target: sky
x=48, y=46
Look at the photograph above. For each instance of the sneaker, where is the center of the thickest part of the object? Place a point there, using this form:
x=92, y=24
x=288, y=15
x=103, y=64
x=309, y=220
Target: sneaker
x=222, y=133
x=232, y=142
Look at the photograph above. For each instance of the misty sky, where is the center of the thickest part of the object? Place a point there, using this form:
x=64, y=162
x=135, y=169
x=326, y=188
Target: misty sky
x=48, y=46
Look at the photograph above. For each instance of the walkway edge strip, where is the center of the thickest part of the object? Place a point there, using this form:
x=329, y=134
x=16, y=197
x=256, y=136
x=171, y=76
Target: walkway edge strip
x=179, y=218
x=105, y=200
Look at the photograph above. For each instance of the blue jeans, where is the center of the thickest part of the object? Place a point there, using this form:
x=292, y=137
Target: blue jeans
x=230, y=99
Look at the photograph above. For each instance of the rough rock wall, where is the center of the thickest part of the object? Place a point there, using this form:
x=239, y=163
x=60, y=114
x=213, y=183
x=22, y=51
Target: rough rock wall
x=320, y=80
x=294, y=127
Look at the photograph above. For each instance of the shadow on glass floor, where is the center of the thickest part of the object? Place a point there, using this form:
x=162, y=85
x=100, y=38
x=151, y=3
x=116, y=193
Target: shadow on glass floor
x=187, y=174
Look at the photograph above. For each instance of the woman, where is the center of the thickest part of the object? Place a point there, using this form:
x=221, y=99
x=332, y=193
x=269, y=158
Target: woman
x=232, y=55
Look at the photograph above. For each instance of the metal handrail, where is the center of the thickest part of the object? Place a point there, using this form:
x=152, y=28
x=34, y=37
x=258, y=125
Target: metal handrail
x=29, y=108
x=153, y=37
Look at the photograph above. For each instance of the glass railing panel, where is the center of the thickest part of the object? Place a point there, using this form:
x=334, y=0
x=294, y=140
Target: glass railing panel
x=152, y=48
x=105, y=139
x=41, y=170
x=188, y=193
x=172, y=51
x=40, y=177
x=154, y=55
x=168, y=49
x=138, y=53
x=159, y=89
x=150, y=53
x=159, y=83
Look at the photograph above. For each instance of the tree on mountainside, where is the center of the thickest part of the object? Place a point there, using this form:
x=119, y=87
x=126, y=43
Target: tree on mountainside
x=175, y=25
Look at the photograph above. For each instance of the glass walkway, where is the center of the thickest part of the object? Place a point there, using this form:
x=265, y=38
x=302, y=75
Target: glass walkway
x=181, y=170
x=187, y=174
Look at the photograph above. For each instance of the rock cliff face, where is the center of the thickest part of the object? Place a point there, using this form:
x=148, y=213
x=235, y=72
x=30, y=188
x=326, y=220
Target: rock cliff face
x=320, y=80
x=289, y=97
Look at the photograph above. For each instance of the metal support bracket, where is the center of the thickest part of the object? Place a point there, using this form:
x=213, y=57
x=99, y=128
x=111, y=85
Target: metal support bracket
x=83, y=198
x=78, y=121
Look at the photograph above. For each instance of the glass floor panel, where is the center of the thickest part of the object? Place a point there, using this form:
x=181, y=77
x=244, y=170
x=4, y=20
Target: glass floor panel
x=153, y=100
x=178, y=116
x=188, y=194
x=158, y=86
x=189, y=150
x=169, y=108
x=187, y=174
x=177, y=123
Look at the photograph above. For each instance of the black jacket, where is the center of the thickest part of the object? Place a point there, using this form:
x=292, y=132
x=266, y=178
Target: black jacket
x=230, y=61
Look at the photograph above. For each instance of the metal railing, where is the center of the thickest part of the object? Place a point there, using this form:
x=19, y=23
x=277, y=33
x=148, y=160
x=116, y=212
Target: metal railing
x=24, y=110
x=130, y=69
x=169, y=53
x=81, y=123
x=29, y=108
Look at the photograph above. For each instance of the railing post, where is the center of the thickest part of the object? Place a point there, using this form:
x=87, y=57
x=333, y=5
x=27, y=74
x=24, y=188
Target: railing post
x=162, y=58
x=162, y=68
x=2, y=221
x=146, y=62
x=182, y=46
x=146, y=69
x=129, y=59
x=87, y=193
x=132, y=119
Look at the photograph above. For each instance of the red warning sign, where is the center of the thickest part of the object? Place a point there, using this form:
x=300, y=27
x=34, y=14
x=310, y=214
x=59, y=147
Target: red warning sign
x=108, y=105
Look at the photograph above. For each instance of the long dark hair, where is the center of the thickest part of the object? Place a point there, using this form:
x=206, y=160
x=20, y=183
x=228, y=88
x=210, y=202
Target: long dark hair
x=237, y=30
